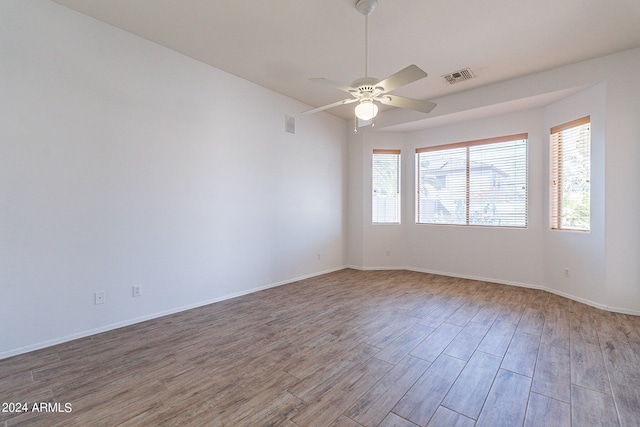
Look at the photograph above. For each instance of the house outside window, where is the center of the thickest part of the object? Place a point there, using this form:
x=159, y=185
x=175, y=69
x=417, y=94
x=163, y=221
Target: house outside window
x=481, y=182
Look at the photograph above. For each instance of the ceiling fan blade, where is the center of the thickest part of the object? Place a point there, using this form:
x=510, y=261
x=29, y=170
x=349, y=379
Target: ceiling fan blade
x=405, y=76
x=335, y=104
x=411, y=104
x=333, y=84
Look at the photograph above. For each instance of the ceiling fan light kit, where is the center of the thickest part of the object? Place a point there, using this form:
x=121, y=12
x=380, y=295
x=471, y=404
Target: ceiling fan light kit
x=366, y=91
x=366, y=110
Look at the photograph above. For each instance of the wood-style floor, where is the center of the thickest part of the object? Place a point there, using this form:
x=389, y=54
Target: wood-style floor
x=351, y=348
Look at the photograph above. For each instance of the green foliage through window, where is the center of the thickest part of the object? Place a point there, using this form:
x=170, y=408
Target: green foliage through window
x=571, y=175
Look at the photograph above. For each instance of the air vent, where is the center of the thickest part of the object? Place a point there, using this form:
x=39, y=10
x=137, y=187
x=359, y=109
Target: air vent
x=289, y=124
x=458, y=76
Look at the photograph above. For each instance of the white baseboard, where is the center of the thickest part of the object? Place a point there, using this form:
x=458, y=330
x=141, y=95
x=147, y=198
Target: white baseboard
x=386, y=268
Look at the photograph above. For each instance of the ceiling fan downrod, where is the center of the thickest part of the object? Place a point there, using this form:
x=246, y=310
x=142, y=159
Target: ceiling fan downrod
x=366, y=7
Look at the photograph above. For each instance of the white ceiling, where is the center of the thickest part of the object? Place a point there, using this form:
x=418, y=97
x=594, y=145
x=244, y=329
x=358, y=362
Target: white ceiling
x=280, y=44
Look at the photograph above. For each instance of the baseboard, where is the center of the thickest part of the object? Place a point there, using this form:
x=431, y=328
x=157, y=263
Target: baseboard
x=387, y=268
x=129, y=322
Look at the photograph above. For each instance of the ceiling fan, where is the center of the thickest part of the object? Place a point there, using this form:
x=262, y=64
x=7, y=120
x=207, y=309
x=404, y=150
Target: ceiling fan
x=366, y=91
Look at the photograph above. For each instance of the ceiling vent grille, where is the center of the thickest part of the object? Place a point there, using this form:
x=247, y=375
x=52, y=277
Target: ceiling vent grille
x=458, y=76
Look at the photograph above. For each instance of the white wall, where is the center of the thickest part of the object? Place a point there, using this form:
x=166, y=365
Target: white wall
x=604, y=264
x=582, y=253
x=122, y=163
x=512, y=255
x=379, y=246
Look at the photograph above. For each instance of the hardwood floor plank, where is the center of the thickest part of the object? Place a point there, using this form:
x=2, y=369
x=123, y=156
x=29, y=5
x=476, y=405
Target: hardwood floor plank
x=445, y=417
x=29, y=362
x=511, y=313
x=373, y=406
x=556, y=329
x=487, y=314
x=498, y=338
x=468, y=393
x=401, y=346
x=440, y=314
x=621, y=363
x=392, y=420
x=592, y=408
x=334, y=402
x=326, y=353
x=531, y=322
x=431, y=347
x=582, y=325
x=343, y=421
x=552, y=376
x=390, y=332
x=522, y=354
x=543, y=411
x=623, y=368
x=464, y=314
x=610, y=326
x=506, y=403
x=587, y=367
x=427, y=305
x=316, y=384
x=466, y=342
x=627, y=399
x=422, y=400
x=268, y=410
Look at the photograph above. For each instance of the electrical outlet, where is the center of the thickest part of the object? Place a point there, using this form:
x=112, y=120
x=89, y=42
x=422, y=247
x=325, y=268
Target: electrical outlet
x=99, y=297
x=566, y=272
x=136, y=291
x=319, y=256
x=388, y=252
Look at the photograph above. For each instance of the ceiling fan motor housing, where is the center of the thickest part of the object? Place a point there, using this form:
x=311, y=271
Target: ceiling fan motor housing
x=365, y=84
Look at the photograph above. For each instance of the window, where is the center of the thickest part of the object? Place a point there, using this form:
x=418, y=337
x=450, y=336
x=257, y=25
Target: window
x=571, y=175
x=386, y=186
x=473, y=183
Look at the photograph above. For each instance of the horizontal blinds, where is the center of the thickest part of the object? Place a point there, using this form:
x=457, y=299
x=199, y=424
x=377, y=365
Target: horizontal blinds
x=441, y=186
x=386, y=186
x=571, y=175
x=498, y=184
x=474, y=183
x=485, y=141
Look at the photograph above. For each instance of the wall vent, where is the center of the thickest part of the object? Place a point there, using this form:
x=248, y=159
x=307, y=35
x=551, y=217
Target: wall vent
x=458, y=76
x=289, y=124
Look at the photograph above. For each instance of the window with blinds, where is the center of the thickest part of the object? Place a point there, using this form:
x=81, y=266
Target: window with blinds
x=386, y=187
x=480, y=182
x=571, y=175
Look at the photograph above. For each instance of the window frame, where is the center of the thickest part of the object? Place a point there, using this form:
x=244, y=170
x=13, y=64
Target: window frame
x=467, y=145
x=555, y=175
x=398, y=186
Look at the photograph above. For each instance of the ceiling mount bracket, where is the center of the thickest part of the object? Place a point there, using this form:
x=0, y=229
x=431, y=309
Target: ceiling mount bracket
x=365, y=7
